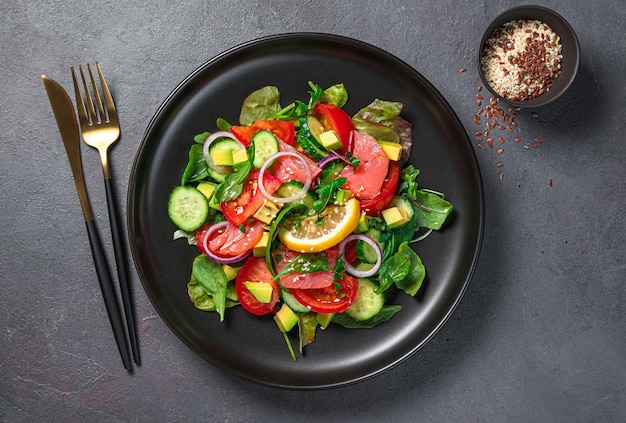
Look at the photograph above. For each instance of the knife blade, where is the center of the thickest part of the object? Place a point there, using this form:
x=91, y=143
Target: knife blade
x=68, y=127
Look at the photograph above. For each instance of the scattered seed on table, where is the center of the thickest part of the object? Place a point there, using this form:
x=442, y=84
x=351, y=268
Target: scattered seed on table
x=549, y=182
x=479, y=88
x=517, y=139
x=480, y=146
x=490, y=143
x=501, y=139
x=499, y=164
x=501, y=176
x=500, y=150
x=538, y=140
x=534, y=114
x=463, y=70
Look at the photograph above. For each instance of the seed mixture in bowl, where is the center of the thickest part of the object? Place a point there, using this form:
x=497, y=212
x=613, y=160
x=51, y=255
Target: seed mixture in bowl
x=522, y=59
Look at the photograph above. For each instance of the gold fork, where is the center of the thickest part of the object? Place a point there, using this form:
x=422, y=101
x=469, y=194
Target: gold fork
x=100, y=129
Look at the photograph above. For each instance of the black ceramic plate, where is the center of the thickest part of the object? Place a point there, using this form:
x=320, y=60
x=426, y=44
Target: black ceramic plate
x=251, y=346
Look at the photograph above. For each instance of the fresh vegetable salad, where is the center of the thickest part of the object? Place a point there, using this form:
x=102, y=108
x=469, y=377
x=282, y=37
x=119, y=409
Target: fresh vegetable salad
x=305, y=213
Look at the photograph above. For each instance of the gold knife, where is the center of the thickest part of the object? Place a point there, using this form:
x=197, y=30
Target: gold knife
x=68, y=127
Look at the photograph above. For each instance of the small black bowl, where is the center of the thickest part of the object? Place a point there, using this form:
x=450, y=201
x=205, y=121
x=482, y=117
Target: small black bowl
x=570, y=50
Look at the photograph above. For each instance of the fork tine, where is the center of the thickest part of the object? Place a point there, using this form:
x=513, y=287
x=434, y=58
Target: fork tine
x=101, y=113
x=80, y=100
x=91, y=110
x=110, y=105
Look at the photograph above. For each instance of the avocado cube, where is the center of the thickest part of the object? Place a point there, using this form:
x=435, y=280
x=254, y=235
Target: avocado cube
x=395, y=217
x=392, y=149
x=285, y=318
x=343, y=195
x=324, y=319
x=363, y=225
x=260, y=247
x=267, y=212
x=330, y=140
x=222, y=157
x=231, y=272
x=262, y=291
x=240, y=155
x=207, y=188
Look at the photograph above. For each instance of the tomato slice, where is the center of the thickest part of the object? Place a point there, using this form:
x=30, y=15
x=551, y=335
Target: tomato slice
x=380, y=202
x=335, y=118
x=327, y=300
x=233, y=242
x=255, y=270
x=242, y=208
x=282, y=129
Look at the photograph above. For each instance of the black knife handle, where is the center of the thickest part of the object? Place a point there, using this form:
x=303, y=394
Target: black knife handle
x=122, y=269
x=108, y=292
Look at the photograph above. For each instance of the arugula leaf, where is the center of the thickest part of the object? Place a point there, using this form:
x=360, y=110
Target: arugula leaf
x=212, y=280
x=233, y=182
x=339, y=273
x=197, y=168
x=282, y=215
x=298, y=108
x=306, y=263
x=408, y=177
x=385, y=314
x=325, y=193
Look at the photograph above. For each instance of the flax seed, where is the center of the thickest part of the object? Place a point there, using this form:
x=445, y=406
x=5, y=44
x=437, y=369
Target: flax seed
x=463, y=70
x=534, y=114
x=501, y=176
x=517, y=139
x=538, y=140
x=480, y=146
x=499, y=164
x=501, y=139
x=479, y=88
x=500, y=150
x=490, y=143
x=549, y=182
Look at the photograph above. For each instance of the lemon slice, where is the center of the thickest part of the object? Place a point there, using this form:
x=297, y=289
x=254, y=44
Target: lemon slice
x=312, y=237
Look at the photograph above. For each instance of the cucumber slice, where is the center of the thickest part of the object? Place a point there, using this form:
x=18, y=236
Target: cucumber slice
x=331, y=172
x=290, y=188
x=364, y=251
x=265, y=146
x=367, y=303
x=311, y=146
x=187, y=208
x=291, y=301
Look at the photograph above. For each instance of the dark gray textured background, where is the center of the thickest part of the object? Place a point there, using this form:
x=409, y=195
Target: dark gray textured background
x=539, y=335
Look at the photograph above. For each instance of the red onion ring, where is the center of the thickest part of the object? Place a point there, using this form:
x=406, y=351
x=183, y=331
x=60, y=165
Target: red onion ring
x=294, y=197
x=219, y=259
x=209, y=141
x=353, y=270
x=331, y=156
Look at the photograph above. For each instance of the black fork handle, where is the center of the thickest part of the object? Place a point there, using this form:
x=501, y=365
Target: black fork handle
x=108, y=292
x=122, y=269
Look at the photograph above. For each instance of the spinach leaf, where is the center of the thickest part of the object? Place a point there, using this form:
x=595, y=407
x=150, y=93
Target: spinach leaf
x=212, y=280
x=431, y=210
x=233, y=182
x=259, y=104
x=385, y=314
x=201, y=138
x=306, y=263
x=196, y=166
x=408, y=180
x=394, y=269
x=417, y=272
x=201, y=300
x=404, y=269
